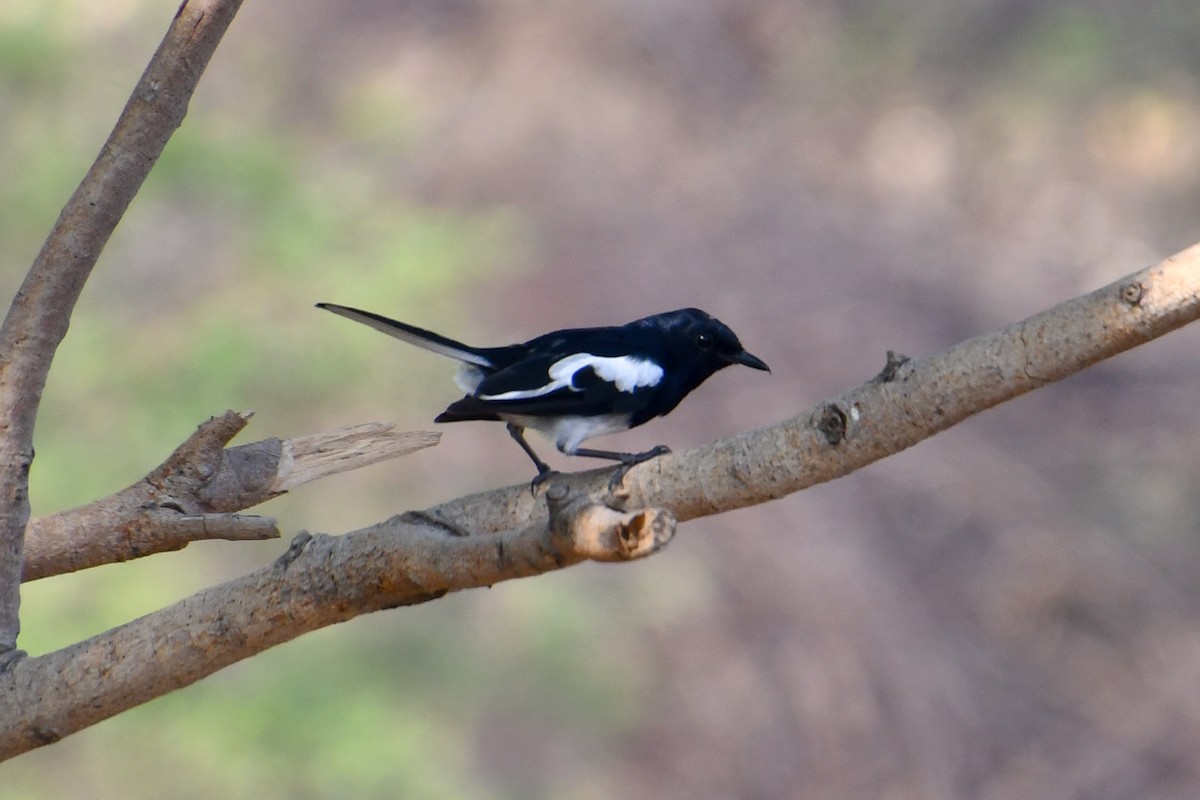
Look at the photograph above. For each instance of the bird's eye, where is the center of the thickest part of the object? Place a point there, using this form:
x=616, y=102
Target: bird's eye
x=704, y=340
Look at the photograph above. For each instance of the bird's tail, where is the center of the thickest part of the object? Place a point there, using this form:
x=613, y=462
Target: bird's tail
x=427, y=340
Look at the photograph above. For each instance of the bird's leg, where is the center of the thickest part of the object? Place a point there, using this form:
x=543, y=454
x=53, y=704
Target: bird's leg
x=544, y=471
x=628, y=460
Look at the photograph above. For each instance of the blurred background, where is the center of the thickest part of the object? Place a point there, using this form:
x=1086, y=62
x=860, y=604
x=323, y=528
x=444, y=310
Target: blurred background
x=1011, y=610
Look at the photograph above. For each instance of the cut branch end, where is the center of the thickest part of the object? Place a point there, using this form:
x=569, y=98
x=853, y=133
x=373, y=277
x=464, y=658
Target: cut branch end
x=584, y=529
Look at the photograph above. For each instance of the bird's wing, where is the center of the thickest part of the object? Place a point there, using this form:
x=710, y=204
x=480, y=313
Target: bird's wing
x=580, y=384
x=563, y=403
x=427, y=340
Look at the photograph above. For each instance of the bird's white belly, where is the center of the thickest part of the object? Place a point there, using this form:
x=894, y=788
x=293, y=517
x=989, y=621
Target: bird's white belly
x=568, y=433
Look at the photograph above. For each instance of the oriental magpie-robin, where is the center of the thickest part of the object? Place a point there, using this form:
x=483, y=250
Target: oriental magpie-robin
x=578, y=383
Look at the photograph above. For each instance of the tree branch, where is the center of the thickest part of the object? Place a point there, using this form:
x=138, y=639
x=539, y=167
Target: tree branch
x=421, y=556
x=319, y=581
x=190, y=495
x=909, y=402
x=38, y=319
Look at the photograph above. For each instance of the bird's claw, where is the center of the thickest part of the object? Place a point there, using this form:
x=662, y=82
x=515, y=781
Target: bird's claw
x=632, y=460
x=653, y=452
x=539, y=479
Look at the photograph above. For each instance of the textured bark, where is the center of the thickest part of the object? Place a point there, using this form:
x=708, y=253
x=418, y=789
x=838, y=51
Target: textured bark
x=38, y=319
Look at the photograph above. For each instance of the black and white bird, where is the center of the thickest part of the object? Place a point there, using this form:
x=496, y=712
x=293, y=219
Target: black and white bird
x=573, y=384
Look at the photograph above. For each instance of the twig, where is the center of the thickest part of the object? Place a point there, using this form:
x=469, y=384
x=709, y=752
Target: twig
x=186, y=528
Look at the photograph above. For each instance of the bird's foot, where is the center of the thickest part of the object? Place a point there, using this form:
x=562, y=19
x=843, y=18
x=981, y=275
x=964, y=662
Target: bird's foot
x=631, y=460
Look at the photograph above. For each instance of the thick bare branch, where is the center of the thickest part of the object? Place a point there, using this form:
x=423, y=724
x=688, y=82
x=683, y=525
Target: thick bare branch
x=319, y=581
x=423, y=555
x=41, y=311
x=182, y=499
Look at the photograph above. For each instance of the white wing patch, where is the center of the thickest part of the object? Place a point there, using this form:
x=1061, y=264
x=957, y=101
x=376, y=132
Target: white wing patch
x=627, y=373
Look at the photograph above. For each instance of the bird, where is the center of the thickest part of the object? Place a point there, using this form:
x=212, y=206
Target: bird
x=574, y=384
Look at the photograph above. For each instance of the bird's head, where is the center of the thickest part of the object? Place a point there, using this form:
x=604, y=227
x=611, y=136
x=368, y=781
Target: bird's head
x=703, y=341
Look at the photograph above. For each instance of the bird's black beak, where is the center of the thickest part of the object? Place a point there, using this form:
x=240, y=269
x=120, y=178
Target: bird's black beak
x=750, y=361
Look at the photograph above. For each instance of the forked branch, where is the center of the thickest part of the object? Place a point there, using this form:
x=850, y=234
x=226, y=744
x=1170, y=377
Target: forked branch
x=193, y=494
